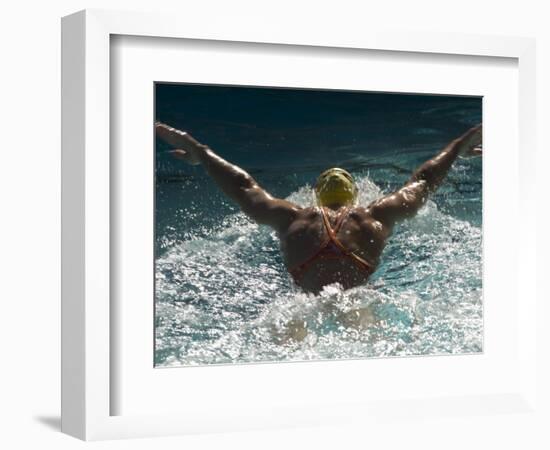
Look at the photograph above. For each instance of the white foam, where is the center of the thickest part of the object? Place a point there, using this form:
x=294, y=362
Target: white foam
x=226, y=297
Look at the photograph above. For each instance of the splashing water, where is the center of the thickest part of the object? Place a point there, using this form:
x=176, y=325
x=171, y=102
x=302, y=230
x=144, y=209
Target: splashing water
x=224, y=296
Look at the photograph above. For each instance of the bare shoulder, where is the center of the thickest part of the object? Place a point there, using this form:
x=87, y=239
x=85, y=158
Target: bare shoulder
x=364, y=217
x=308, y=214
x=309, y=211
x=305, y=216
x=360, y=213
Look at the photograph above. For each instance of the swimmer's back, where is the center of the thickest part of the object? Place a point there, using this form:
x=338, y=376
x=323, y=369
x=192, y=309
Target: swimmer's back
x=358, y=232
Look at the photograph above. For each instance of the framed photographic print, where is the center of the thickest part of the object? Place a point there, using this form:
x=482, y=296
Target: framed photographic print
x=257, y=223
x=229, y=291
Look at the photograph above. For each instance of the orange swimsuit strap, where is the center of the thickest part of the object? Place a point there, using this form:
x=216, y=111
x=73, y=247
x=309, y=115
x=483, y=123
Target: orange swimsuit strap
x=338, y=250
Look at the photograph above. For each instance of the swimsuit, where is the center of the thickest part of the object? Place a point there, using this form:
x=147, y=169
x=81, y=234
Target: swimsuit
x=331, y=248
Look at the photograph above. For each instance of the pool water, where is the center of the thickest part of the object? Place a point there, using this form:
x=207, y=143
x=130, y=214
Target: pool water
x=222, y=292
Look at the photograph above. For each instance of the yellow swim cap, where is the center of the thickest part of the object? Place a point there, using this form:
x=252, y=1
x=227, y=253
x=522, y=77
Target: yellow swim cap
x=335, y=187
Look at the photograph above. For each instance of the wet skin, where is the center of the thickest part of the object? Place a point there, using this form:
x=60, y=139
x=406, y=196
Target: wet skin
x=360, y=233
x=365, y=229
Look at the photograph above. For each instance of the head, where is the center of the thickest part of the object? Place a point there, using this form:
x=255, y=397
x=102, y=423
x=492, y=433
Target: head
x=335, y=187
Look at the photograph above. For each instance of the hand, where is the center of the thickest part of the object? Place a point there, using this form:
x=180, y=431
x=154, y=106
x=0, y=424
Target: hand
x=187, y=148
x=470, y=142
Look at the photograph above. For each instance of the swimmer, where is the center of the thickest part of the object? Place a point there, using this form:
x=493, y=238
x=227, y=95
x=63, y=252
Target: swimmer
x=336, y=241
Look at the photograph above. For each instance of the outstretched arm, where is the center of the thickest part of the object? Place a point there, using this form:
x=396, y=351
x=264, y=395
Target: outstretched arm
x=405, y=202
x=232, y=180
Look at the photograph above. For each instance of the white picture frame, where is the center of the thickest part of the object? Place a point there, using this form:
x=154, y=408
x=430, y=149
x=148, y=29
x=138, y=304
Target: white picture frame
x=87, y=316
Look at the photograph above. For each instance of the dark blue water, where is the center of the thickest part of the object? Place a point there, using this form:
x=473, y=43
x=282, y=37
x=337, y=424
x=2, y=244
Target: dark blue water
x=222, y=294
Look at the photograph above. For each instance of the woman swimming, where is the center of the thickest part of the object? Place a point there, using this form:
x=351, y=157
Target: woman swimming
x=336, y=241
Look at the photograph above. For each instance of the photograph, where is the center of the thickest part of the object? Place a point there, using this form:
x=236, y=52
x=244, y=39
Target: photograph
x=302, y=224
